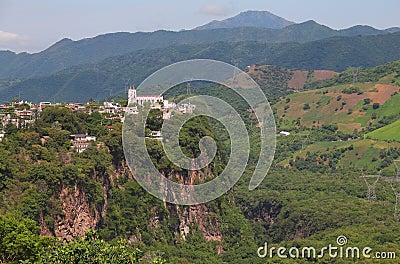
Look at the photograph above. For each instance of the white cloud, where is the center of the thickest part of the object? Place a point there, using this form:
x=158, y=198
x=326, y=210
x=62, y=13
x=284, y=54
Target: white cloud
x=7, y=36
x=216, y=10
x=12, y=41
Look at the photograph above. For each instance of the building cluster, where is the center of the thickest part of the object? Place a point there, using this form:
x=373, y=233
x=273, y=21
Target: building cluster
x=22, y=114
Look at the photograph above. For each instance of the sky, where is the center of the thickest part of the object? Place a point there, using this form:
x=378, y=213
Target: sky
x=34, y=25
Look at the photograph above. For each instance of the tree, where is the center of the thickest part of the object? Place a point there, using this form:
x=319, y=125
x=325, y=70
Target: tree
x=375, y=106
x=123, y=102
x=155, y=120
x=11, y=129
x=91, y=101
x=367, y=101
x=65, y=117
x=113, y=140
x=90, y=249
x=19, y=239
x=306, y=106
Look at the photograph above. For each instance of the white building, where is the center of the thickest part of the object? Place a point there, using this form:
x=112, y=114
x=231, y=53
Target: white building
x=81, y=142
x=169, y=105
x=133, y=110
x=186, y=108
x=80, y=146
x=43, y=105
x=109, y=108
x=133, y=98
x=156, y=134
x=284, y=133
x=84, y=137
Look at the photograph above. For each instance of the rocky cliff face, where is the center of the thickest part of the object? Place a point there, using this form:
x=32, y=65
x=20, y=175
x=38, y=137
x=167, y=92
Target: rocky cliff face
x=206, y=220
x=78, y=215
x=200, y=215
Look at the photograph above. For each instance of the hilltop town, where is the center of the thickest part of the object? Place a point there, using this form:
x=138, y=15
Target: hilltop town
x=23, y=114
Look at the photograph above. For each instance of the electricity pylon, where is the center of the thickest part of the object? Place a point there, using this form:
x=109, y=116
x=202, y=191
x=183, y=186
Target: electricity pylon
x=371, y=194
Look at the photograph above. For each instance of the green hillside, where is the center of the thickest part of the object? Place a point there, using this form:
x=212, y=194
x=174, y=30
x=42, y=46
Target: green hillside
x=389, y=70
x=349, y=126
x=314, y=196
x=363, y=106
x=389, y=132
x=356, y=155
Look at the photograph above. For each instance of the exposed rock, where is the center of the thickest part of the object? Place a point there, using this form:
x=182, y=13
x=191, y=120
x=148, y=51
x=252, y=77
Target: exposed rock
x=206, y=221
x=78, y=215
x=199, y=215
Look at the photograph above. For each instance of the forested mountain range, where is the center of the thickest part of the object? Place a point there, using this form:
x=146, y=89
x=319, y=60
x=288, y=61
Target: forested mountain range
x=67, y=53
x=112, y=75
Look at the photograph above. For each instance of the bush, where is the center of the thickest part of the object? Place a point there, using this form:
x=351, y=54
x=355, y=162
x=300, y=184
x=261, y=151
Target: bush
x=351, y=91
x=367, y=101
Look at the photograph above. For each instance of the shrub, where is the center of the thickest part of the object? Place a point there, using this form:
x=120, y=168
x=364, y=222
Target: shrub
x=306, y=107
x=367, y=101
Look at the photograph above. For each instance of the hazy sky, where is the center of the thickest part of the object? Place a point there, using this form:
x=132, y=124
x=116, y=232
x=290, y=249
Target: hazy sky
x=33, y=25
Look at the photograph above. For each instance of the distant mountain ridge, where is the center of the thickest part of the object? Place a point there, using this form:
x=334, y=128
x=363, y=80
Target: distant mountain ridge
x=259, y=19
x=109, y=77
x=67, y=53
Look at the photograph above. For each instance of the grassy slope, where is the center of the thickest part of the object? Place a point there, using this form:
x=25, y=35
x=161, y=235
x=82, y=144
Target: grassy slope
x=359, y=158
x=327, y=107
x=389, y=132
x=332, y=106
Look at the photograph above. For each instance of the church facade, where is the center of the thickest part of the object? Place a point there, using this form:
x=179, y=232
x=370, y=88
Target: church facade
x=133, y=98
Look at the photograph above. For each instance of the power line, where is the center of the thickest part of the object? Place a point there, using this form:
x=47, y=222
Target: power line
x=304, y=138
x=371, y=194
x=396, y=209
x=355, y=72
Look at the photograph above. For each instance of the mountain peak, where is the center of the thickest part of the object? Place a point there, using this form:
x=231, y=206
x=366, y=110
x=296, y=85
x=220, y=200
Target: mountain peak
x=60, y=44
x=260, y=19
x=310, y=22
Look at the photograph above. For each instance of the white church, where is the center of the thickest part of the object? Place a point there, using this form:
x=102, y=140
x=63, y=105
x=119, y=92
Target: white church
x=140, y=100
